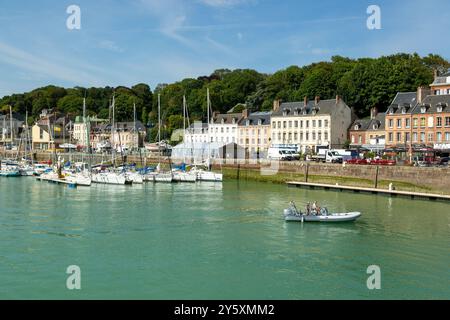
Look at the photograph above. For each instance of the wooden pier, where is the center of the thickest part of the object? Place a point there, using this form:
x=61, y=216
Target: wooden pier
x=392, y=193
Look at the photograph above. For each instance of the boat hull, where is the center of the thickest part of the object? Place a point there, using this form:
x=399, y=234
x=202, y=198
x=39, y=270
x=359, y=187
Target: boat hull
x=334, y=217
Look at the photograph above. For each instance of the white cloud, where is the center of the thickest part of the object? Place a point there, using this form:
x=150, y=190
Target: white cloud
x=110, y=45
x=32, y=63
x=226, y=3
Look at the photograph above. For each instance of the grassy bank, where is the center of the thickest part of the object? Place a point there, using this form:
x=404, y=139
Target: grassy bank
x=283, y=177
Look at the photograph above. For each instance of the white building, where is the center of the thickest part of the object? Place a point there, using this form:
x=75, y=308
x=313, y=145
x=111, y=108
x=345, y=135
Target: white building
x=309, y=124
x=224, y=127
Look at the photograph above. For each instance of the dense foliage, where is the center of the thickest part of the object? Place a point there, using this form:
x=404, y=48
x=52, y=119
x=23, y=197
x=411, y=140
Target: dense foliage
x=363, y=83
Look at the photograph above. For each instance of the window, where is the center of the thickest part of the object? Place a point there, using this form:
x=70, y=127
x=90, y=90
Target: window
x=399, y=123
x=279, y=124
x=415, y=137
x=422, y=122
x=284, y=124
x=422, y=137
x=399, y=137
x=415, y=122
x=295, y=136
x=439, y=137
x=391, y=137
x=326, y=136
x=447, y=121
x=438, y=122
x=407, y=137
x=353, y=139
x=447, y=136
x=290, y=124
x=319, y=136
x=296, y=124
x=307, y=136
x=407, y=123
x=301, y=124
x=307, y=124
x=360, y=140
x=274, y=125
x=301, y=136
x=314, y=123
x=314, y=136
x=391, y=123
x=320, y=123
x=326, y=123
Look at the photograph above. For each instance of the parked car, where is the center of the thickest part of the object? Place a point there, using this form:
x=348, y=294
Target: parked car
x=358, y=161
x=383, y=162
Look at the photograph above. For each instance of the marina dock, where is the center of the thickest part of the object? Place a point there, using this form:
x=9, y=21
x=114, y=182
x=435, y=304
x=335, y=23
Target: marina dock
x=392, y=193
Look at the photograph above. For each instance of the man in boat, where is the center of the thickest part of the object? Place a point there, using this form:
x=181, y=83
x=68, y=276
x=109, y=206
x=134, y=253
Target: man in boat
x=308, y=209
x=316, y=208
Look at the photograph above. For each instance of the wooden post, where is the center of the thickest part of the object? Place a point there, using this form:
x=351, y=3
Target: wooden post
x=376, y=177
x=238, y=171
x=307, y=172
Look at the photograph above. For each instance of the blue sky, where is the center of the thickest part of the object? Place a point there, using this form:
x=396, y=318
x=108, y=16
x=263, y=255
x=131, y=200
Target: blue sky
x=157, y=41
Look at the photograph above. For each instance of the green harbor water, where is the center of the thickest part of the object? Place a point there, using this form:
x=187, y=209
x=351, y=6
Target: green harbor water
x=212, y=241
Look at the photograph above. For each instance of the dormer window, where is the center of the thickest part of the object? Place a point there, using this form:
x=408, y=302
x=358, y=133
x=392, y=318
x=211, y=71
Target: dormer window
x=247, y=123
x=439, y=108
x=357, y=127
x=233, y=121
x=391, y=110
x=404, y=110
x=305, y=112
x=259, y=122
x=222, y=121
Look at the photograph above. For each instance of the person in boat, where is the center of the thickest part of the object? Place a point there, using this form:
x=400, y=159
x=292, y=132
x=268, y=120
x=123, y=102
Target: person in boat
x=308, y=209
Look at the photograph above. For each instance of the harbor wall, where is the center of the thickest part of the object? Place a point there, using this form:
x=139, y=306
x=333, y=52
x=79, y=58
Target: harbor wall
x=420, y=179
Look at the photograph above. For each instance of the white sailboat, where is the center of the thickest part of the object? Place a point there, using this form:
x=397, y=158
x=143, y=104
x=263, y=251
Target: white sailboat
x=111, y=177
x=206, y=174
x=182, y=175
x=159, y=175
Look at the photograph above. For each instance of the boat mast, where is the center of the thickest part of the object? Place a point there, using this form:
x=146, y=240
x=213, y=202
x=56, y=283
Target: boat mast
x=112, y=132
x=159, y=124
x=11, y=124
x=184, y=125
x=208, y=102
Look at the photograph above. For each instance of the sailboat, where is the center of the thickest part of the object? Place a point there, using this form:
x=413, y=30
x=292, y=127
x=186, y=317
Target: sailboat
x=206, y=174
x=159, y=175
x=180, y=174
x=99, y=175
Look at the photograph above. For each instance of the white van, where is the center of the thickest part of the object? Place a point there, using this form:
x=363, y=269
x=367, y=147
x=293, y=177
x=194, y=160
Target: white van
x=276, y=153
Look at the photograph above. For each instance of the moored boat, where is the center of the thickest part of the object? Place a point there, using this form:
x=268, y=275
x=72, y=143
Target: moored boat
x=292, y=214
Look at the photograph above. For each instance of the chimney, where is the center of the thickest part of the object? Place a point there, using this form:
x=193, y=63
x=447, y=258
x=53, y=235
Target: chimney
x=245, y=113
x=373, y=113
x=338, y=99
x=317, y=100
x=305, y=101
x=276, y=105
x=422, y=93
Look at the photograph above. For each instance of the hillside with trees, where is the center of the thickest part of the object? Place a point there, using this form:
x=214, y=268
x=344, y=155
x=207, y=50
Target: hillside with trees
x=363, y=83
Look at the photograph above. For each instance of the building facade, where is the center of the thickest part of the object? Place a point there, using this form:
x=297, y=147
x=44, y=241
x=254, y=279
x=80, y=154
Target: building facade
x=50, y=132
x=441, y=84
x=369, y=133
x=310, y=124
x=254, y=134
x=224, y=127
x=415, y=121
